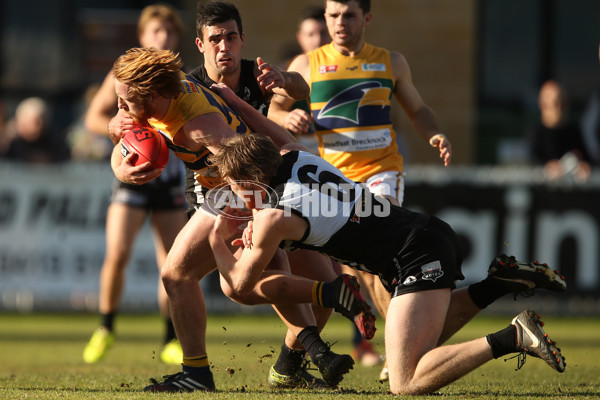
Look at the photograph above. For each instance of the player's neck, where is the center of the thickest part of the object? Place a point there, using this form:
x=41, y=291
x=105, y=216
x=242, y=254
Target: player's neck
x=161, y=107
x=231, y=79
x=350, y=50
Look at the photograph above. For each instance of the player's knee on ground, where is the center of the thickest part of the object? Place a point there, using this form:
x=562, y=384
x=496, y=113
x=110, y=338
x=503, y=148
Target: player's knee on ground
x=407, y=389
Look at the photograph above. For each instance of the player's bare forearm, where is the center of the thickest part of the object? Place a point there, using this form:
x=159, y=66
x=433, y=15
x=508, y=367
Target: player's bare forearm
x=127, y=172
x=277, y=116
x=295, y=86
x=116, y=158
x=255, y=120
x=425, y=123
x=223, y=257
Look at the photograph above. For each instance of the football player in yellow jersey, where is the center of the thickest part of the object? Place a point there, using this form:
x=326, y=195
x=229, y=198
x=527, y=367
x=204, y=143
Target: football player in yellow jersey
x=352, y=83
x=312, y=33
x=160, y=202
x=194, y=120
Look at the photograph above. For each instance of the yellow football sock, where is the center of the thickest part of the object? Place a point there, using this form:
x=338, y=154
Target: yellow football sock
x=198, y=361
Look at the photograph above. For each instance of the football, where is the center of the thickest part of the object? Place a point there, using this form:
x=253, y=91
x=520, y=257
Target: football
x=147, y=144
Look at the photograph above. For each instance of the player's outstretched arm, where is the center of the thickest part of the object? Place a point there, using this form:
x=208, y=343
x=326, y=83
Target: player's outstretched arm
x=273, y=79
x=295, y=121
x=420, y=114
x=257, y=122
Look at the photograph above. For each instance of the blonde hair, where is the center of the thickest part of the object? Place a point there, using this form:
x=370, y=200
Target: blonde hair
x=148, y=71
x=251, y=156
x=165, y=12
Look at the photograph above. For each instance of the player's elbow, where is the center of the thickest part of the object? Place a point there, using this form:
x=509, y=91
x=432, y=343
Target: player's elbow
x=239, y=291
x=242, y=287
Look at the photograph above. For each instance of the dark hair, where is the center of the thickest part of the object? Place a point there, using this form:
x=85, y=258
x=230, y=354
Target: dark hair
x=216, y=12
x=312, y=12
x=365, y=5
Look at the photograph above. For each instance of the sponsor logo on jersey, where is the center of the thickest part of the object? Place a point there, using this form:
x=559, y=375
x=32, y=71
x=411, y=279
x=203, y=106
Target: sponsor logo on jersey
x=432, y=271
x=189, y=87
x=346, y=103
x=378, y=67
x=324, y=69
x=349, y=142
x=409, y=281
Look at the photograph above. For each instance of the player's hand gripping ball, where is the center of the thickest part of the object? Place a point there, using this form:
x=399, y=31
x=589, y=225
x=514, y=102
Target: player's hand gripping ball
x=147, y=145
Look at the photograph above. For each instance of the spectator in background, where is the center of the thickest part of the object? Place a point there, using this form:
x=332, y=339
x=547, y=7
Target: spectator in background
x=312, y=29
x=556, y=142
x=34, y=140
x=161, y=200
x=311, y=33
x=590, y=125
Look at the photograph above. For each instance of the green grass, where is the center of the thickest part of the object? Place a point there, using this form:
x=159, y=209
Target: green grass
x=40, y=358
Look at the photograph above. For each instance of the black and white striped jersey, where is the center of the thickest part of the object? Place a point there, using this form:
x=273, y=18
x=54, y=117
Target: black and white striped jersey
x=345, y=220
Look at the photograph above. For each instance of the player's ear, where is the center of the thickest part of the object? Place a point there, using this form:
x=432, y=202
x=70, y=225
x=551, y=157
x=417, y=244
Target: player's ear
x=368, y=18
x=200, y=45
x=243, y=38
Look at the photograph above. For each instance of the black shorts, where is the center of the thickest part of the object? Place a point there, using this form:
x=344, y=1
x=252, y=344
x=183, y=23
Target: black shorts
x=431, y=259
x=156, y=195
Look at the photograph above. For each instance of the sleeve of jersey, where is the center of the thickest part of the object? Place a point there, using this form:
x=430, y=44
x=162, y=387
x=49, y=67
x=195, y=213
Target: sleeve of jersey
x=187, y=107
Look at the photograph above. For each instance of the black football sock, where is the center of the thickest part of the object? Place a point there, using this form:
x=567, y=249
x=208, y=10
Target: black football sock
x=312, y=342
x=504, y=341
x=170, y=330
x=108, y=321
x=486, y=292
x=198, y=368
x=289, y=360
x=324, y=294
x=201, y=374
x=357, y=338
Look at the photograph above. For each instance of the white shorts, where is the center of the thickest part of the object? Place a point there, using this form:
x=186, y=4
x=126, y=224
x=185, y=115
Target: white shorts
x=388, y=184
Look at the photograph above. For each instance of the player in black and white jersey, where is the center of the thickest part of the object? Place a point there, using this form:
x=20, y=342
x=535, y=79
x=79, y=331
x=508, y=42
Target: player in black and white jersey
x=350, y=224
x=417, y=257
x=221, y=39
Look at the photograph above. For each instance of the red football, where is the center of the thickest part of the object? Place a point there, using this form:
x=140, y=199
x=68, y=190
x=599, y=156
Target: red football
x=147, y=144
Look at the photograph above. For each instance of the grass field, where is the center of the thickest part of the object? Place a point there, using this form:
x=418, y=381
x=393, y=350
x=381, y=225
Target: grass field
x=40, y=358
